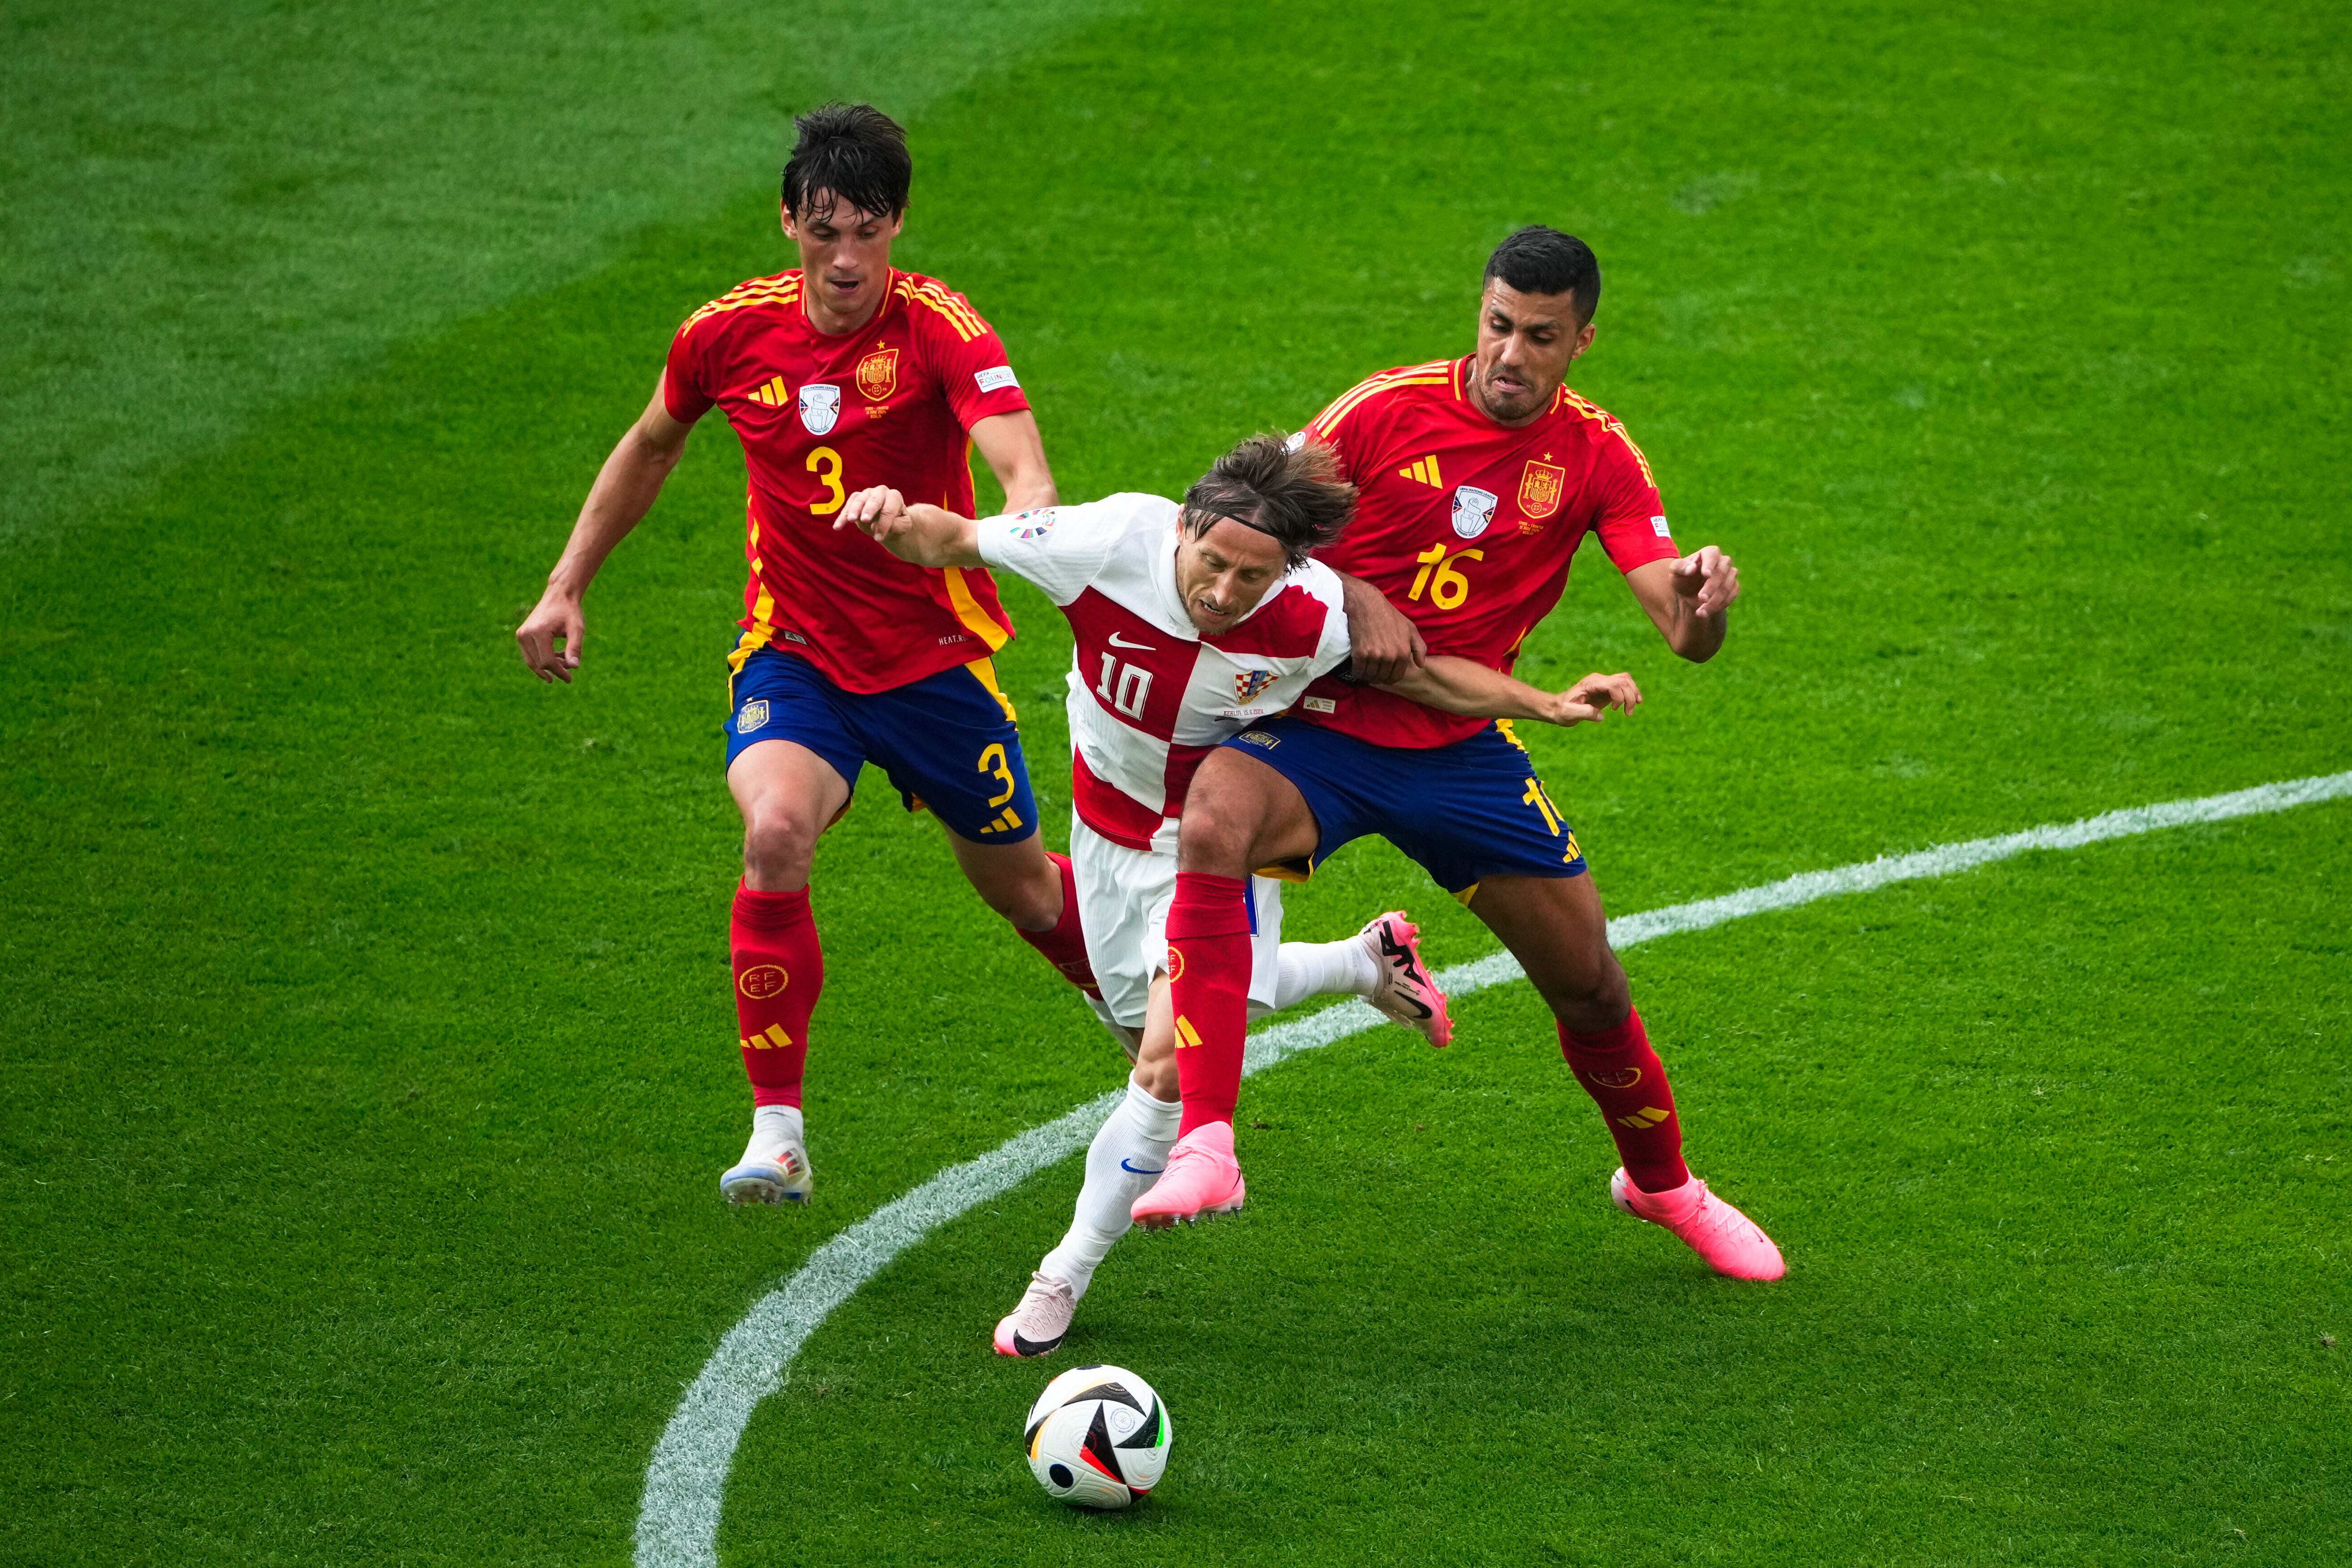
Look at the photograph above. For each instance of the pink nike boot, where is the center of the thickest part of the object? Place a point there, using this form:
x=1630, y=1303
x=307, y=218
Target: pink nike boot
x=1203, y=1178
x=1731, y=1243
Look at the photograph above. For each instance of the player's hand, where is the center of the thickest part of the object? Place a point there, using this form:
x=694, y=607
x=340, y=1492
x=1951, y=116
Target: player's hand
x=1586, y=702
x=880, y=511
x=1710, y=578
x=1383, y=643
x=557, y=616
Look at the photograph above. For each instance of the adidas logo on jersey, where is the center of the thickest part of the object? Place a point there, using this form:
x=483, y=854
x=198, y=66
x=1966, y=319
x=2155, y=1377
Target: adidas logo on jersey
x=774, y=393
x=1424, y=469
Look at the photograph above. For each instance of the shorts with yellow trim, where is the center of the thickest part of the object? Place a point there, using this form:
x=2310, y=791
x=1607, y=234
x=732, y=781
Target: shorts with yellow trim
x=1465, y=812
x=947, y=741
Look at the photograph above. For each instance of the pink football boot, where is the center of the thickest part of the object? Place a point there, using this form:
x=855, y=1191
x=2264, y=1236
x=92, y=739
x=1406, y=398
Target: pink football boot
x=1407, y=992
x=1732, y=1244
x=1203, y=1178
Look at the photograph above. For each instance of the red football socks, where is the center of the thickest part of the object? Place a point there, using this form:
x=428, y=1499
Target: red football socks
x=1626, y=1079
x=1209, y=975
x=1065, y=946
x=779, y=969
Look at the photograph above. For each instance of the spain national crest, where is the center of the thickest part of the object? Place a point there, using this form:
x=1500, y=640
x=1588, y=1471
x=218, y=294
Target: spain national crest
x=877, y=375
x=1541, y=488
x=1250, y=682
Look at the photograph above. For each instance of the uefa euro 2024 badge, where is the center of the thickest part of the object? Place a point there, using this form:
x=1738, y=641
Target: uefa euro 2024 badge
x=820, y=407
x=1473, y=509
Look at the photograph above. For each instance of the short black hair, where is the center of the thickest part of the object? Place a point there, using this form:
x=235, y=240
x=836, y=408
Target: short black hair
x=1541, y=260
x=851, y=152
x=1286, y=488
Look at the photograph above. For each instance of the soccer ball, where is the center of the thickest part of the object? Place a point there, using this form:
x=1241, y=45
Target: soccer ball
x=1098, y=1438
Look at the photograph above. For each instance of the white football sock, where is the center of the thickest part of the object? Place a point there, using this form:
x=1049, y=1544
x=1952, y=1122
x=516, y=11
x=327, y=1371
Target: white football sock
x=772, y=1127
x=1126, y=1157
x=1342, y=968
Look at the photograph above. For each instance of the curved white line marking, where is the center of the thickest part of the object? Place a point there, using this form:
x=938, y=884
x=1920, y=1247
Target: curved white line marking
x=684, y=1485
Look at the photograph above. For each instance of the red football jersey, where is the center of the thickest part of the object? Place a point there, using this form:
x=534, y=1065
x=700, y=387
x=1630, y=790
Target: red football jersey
x=820, y=417
x=1468, y=526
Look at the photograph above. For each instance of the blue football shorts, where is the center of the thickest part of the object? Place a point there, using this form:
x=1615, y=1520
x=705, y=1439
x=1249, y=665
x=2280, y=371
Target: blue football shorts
x=1465, y=812
x=947, y=741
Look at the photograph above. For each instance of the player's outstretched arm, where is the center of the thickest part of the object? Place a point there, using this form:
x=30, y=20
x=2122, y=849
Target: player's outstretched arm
x=624, y=492
x=925, y=534
x=1463, y=686
x=1385, y=643
x=1015, y=453
x=1687, y=599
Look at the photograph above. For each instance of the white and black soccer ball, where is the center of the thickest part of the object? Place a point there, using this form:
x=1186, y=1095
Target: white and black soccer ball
x=1098, y=1438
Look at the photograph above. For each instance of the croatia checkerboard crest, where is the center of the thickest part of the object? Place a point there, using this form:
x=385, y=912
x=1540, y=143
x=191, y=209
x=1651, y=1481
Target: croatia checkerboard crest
x=1250, y=682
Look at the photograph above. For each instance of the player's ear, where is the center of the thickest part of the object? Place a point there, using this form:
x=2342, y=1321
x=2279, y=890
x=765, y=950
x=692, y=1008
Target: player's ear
x=1583, y=342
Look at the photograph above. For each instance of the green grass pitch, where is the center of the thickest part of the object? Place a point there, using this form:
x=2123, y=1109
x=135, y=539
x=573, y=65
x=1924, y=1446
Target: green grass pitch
x=366, y=1061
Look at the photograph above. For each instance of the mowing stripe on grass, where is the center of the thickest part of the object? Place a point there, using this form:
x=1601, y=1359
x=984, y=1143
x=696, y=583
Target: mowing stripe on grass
x=685, y=1483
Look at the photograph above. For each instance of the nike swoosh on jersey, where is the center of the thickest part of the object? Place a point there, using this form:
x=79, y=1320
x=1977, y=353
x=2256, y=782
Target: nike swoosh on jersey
x=1115, y=641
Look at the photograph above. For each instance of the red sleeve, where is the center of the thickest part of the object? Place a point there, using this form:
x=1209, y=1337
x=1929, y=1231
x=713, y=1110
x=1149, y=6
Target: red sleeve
x=969, y=360
x=1628, y=515
x=685, y=382
x=1341, y=429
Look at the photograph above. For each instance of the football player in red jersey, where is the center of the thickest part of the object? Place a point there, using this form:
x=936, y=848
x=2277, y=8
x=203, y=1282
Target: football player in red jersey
x=842, y=374
x=1477, y=477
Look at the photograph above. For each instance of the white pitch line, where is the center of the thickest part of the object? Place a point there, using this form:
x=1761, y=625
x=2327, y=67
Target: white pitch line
x=677, y=1524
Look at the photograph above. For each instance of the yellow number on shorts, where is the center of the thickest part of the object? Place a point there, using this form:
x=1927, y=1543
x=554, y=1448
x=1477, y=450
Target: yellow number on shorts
x=825, y=464
x=991, y=761
x=1541, y=802
x=1447, y=588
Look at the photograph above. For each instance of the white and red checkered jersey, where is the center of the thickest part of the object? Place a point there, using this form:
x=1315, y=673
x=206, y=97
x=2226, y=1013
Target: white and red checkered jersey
x=1149, y=696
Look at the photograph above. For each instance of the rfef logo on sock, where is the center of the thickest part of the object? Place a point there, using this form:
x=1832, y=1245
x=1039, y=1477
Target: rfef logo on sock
x=1175, y=963
x=762, y=981
x=1617, y=1077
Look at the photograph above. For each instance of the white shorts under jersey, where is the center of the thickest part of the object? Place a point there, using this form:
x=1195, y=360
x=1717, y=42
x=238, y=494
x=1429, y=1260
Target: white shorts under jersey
x=1123, y=900
x=1148, y=699
x=1149, y=696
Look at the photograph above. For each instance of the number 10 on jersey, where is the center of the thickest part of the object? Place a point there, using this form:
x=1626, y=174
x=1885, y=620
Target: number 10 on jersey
x=1124, y=687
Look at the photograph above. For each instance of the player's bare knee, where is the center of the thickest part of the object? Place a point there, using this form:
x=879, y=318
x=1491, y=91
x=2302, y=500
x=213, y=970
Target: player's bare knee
x=1031, y=902
x=779, y=844
x=1588, y=996
x=1215, y=838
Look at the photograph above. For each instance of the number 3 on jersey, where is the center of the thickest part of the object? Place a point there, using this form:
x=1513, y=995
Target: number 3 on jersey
x=825, y=464
x=1447, y=588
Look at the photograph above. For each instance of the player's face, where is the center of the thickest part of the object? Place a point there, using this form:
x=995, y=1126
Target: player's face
x=844, y=259
x=1222, y=573
x=1526, y=343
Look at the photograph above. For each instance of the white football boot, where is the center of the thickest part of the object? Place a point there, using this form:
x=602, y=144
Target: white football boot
x=1035, y=1327
x=774, y=1168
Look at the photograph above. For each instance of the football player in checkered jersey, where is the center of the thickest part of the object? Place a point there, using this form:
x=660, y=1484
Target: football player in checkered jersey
x=1193, y=622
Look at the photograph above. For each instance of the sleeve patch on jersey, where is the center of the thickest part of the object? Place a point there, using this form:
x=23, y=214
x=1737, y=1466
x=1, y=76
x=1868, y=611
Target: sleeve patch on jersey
x=1034, y=524
x=1297, y=439
x=995, y=378
x=1658, y=527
